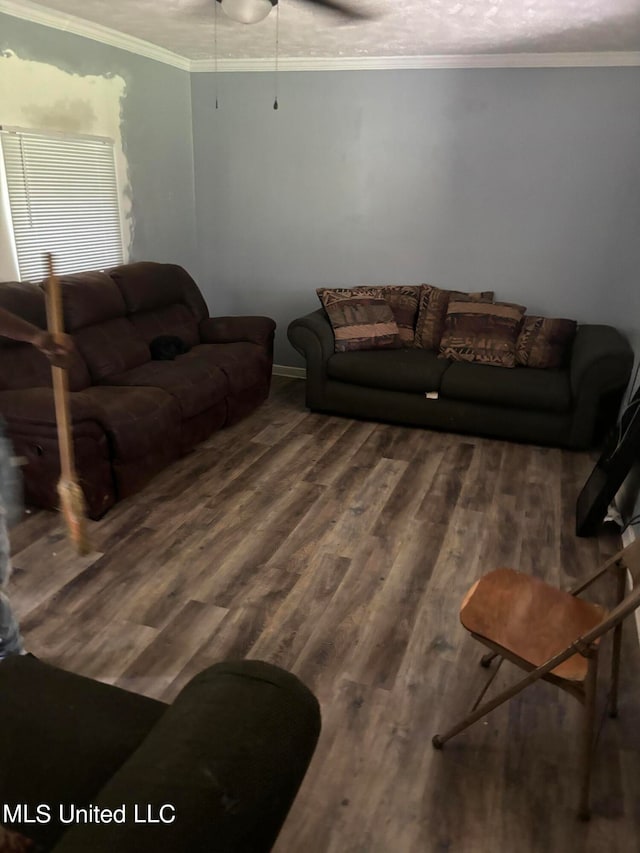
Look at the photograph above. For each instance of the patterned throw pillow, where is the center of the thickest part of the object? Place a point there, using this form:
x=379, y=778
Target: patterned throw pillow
x=482, y=332
x=403, y=299
x=359, y=320
x=544, y=342
x=432, y=311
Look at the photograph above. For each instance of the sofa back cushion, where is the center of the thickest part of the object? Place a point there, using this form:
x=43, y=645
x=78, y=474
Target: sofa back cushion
x=111, y=347
x=89, y=298
x=146, y=286
x=175, y=320
x=22, y=365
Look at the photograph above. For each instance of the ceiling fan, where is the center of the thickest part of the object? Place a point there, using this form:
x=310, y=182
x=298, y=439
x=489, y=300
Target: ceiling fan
x=252, y=11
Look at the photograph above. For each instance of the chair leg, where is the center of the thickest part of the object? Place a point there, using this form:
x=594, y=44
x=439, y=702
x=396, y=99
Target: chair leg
x=492, y=675
x=485, y=660
x=439, y=741
x=615, y=655
x=584, y=812
x=615, y=670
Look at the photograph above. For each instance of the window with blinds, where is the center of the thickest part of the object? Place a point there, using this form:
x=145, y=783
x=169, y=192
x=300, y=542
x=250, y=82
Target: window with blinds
x=63, y=196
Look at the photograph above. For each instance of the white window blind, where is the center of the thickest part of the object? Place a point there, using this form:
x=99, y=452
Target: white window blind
x=63, y=196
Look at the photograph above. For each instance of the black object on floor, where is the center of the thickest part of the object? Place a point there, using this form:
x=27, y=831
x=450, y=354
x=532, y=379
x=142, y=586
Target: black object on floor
x=621, y=450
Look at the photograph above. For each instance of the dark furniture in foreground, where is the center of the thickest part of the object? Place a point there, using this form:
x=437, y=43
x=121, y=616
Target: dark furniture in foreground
x=131, y=415
x=566, y=407
x=229, y=755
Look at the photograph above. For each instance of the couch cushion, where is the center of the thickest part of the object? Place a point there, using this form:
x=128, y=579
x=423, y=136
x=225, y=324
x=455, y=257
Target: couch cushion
x=413, y=370
x=136, y=420
x=432, y=311
x=24, y=299
x=173, y=320
x=22, y=365
x=481, y=332
x=89, y=298
x=193, y=383
x=111, y=348
x=243, y=363
x=359, y=319
x=522, y=387
x=147, y=285
x=544, y=342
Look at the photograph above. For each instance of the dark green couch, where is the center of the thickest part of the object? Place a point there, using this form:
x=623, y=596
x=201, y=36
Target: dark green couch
x=226, y=758
x=568, y=407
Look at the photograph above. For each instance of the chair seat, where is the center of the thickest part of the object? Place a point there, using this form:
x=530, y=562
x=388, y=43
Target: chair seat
x=530, y=619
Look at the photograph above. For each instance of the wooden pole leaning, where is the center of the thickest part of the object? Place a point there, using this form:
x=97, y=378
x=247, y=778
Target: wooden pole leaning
x=72, y=502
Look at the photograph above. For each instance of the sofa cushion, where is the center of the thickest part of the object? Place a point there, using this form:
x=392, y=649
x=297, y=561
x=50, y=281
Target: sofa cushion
x=23, y=366
x=482, y=332
x=403, y=301
x=89, y=298
x=147, y=285
x=136, y=420
x=359, y=319
x=111, y=348
x=522, y=387
x=432, y=311
x=26, y=300
x=173, y=320
x=412, y=370
x=243, y=363
x=193, y=383
x=544, y=342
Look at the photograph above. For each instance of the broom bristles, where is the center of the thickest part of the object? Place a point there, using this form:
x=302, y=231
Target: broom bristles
x=72, y=505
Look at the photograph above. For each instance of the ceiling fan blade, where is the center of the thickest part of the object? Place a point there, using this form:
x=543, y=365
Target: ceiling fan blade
x=346, y=10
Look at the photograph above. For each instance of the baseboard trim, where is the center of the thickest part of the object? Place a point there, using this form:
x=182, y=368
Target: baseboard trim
x=291, y=372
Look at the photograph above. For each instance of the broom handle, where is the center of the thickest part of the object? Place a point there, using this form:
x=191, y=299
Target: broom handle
x=59, y=375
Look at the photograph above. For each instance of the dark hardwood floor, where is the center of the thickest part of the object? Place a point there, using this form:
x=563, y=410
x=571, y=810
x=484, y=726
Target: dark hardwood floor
x=341, y=550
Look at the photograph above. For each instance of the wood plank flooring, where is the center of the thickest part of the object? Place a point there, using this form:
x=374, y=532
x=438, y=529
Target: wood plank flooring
x=341, y=550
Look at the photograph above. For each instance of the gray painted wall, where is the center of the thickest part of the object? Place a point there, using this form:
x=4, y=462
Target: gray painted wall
x=156, y=131
x=522, y=181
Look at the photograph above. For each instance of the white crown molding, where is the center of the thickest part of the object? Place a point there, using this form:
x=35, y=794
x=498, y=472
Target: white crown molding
x=33, y=12
x=37, y=14
x=387, y=63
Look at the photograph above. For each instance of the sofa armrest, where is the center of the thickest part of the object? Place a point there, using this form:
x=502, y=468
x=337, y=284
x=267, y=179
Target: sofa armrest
x=601, y=364
x=227, y=330
x=226, y=758
x=33, y=407
x=601, y=360
x=313, y=337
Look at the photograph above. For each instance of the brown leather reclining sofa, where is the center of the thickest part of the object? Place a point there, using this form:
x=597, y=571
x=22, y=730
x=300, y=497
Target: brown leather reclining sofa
x=131, y=415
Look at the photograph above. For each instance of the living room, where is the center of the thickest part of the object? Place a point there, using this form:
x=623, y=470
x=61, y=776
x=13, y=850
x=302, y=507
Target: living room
x=517, y=179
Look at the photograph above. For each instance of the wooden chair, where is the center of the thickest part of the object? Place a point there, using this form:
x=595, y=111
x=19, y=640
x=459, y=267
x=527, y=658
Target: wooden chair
x=553, y=635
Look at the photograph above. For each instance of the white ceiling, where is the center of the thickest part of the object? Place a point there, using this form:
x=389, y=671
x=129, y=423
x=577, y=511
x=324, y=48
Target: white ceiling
x=400, y=28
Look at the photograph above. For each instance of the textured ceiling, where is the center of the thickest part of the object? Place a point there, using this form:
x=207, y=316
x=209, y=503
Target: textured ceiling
x=398, y=28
